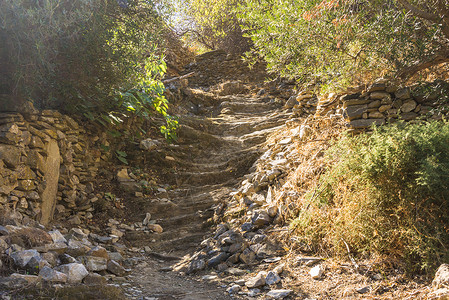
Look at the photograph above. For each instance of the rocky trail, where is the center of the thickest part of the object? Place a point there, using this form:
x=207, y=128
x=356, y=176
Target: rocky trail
x=216, y=147
x=204, y=217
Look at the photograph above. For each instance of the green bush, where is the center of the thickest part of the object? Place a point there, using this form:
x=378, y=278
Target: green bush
x=96, y=57
x=384, y=193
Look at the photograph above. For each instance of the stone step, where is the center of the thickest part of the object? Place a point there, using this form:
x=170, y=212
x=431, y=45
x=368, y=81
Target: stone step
x=220, y=163
x=169, y=240
x=186, y=219
x=182, y=243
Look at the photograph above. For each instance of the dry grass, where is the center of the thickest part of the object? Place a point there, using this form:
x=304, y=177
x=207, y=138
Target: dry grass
x=383, y=272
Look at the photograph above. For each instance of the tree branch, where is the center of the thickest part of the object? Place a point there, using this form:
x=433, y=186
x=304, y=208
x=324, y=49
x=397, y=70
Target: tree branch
x=200, y=37
x=419, y=12
x=433, y=17
x=436, y=59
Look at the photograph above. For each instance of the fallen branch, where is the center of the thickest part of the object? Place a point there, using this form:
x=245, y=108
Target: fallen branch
x=178, y=78
x=356, y=266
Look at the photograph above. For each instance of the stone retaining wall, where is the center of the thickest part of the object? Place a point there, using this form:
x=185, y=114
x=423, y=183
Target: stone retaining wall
x=381, y=102
x=47, y=163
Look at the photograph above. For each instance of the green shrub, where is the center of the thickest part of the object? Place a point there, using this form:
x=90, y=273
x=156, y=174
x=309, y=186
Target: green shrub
x=384, y=193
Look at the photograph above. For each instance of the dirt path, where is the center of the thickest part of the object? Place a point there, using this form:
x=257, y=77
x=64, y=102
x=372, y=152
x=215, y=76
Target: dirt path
x=217, y=146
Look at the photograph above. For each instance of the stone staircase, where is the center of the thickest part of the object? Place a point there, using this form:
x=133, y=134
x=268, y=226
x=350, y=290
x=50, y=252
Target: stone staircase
x=215, y=149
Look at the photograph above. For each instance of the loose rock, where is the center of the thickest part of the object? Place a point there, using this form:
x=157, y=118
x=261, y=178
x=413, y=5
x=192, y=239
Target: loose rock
x=278, y=294
x=257, y=281
x=316, y=272
x=75, y=272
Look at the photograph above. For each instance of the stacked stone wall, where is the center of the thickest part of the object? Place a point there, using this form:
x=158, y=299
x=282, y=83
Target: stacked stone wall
x=380, y=103
x=47, y=165
x=384, y=102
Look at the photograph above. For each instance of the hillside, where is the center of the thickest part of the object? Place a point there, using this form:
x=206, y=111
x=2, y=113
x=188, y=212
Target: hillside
x=206, y=217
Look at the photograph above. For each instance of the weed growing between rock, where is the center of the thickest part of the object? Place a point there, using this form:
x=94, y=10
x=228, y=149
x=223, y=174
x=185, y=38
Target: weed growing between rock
x=382, y=193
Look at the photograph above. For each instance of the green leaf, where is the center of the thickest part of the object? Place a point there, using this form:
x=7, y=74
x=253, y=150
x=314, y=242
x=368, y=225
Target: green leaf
x=122, y=159
x=114, y=133
x=121, y=153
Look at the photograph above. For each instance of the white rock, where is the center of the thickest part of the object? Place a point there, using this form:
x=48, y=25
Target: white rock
x=285, y=141
x=439, y=294
x=278, y=294
x=279, y=269
x=316, y=272
x=305, y=131
x=233, y=289
x=441, y=278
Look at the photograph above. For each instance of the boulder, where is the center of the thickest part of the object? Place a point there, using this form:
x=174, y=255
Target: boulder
x=21, y=258
x=365, y=123
x=50, y=275
x=380, y=96
x=233, y=289
x=35, y=264
x=196, y=265
x=10, y=155
x=403, y=93
x=57, y=237
x=217, y=259
x=155, y=227
x=260, y=218
x=94, y=263
x=247, y=256
x=94, y=279
x=98, y=251
x=75, y=272
x=10, y=134
x=408, y=106
x=355, y=111
x=115, y=268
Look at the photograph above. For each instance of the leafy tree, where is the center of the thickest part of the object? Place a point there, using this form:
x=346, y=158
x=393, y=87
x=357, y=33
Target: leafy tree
x=213, y=23
x=96, y=57
x=340, y=41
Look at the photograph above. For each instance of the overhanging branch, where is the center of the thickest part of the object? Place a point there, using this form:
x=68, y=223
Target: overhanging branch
x=419, y=12
x=436, y=59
